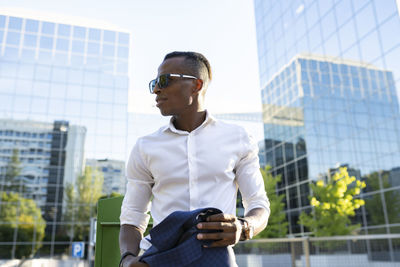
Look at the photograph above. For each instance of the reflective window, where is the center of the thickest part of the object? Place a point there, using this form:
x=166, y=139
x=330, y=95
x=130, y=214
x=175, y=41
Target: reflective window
x=62, y=44
x=60, y=59
x=64, y=30
x=14, y=23
x=109, y=36
x=30, y=40
x=74, y=91
x=79, y=32
x=31, y=25
x=26, y=71
x=48, y=28
x=42, y=72
x=46, y=42
x=75, y=76
x=108, y=50
x=123, y=52
x=122, y=67
x=91, y=78
x=93, y=48
x=123, y=38
x=94, y=34
x=78, y=46
x=2, y=21
x=13, y=38
x=59, y=75
x=45, y=57
x=28, y=55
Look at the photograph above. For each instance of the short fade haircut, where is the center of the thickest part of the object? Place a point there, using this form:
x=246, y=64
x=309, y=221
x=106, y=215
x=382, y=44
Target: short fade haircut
x=197, y=63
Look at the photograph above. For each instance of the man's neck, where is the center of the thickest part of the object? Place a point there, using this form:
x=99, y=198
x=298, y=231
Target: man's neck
x=189, y=122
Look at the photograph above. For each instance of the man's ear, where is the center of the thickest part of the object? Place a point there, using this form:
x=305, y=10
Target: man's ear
x=198, y=86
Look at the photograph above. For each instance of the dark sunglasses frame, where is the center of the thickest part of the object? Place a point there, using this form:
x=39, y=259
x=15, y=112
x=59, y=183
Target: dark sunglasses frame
x=163, y=80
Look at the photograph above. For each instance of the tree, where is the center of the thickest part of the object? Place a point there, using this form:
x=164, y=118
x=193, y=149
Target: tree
x=22, y=217
x=277, y=223
x=333, y=205
x=81, y=201
x=13, y=170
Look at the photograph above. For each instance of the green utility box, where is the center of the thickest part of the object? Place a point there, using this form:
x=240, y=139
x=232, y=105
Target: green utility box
x=107, y=232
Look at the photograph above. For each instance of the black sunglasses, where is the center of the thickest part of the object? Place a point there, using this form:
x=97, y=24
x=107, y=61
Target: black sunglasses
x=162, y=80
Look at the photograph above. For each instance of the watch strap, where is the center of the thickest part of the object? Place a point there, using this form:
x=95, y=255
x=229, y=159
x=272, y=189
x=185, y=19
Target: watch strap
x=245, y=235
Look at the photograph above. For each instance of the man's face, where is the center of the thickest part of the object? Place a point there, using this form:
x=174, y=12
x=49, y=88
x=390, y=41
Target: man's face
x=177, y=97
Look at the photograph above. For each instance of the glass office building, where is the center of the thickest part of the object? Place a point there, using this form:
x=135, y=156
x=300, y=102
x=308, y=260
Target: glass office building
x=72, y=72
x=330, y=74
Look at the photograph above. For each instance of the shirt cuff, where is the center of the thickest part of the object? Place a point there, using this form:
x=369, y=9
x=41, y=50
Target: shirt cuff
x=135, y=218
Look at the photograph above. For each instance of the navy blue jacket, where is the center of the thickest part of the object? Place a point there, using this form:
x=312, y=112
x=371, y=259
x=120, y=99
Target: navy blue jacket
x=174, y=242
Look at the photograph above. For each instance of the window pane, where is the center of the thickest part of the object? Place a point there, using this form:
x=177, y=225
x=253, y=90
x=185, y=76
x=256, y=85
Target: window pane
x=46, y=42
x=48, y=27
x=64, y=30
x=78, y=46
x=59, y=75
x=13, y=38
x=108, y=50
x=28, y=55
x=31, y=25
x=123, y=38
x=26, y=71
x=60, y=59
x=2, y=21
x=42, y=72
x=30, y=40
x=15, y=23
x=93, y=48
x=94, y=34
x=123, y=52
x=79, y=32
x=75, y=76
x=109, y=36
x=122, y=67
x=62, y=44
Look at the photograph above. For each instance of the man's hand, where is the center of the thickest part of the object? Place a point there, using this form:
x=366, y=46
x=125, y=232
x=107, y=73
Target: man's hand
x=131, y=261
x=229, y=228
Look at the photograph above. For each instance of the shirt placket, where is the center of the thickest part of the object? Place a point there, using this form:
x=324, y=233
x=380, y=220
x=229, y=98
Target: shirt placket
x=193, y=188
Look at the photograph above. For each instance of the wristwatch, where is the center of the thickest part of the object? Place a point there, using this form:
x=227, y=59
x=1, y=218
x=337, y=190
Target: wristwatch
x=247, y=229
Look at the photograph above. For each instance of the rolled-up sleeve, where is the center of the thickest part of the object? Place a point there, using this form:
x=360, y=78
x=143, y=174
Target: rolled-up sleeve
x=136, y=203
x=249, y=178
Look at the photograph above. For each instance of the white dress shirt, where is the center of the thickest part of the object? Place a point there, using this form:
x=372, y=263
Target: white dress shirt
x=172, y=170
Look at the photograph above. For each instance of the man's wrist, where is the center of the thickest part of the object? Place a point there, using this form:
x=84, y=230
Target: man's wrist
x=247, y=229
x=126, y=255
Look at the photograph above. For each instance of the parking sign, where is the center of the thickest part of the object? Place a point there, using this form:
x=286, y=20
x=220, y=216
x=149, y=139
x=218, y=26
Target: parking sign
x=78, y=249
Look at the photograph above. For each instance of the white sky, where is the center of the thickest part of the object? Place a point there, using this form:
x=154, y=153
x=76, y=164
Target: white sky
x=223, y=30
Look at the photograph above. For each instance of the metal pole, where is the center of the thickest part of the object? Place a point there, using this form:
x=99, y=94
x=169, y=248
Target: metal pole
x=293, y=254
x=306, y=249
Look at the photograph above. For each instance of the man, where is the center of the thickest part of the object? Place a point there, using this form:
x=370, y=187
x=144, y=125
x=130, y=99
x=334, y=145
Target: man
x=194, y=162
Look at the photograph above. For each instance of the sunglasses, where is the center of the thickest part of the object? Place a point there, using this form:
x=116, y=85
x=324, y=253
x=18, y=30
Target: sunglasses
x=163, y=80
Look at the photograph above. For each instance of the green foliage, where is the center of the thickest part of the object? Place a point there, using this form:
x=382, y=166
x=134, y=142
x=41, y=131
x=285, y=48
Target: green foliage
x=13, y=170
x=81, y=201
x=277, y=223
x=334, y=204
x=21, y=215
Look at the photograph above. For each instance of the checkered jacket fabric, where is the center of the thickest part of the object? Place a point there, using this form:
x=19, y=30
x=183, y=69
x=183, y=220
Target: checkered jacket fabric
x=174, y=242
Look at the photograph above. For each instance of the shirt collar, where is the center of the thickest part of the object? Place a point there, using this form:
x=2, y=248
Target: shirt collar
x=209, y=119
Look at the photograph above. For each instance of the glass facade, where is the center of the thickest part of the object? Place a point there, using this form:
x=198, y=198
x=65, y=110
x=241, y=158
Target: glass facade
x=330, y=79
x=69, y=75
